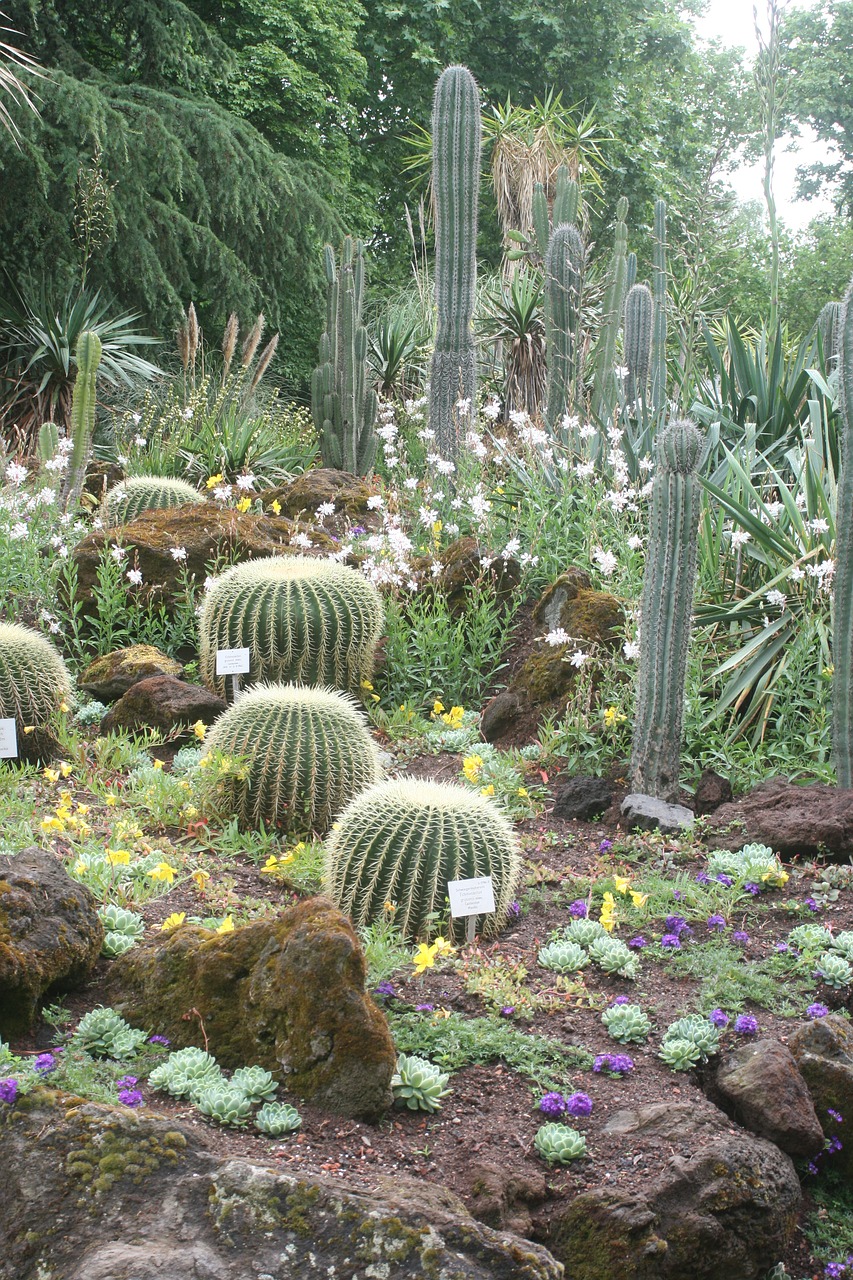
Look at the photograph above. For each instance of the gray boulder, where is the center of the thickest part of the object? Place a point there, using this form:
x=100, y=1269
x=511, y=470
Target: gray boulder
x=651, y=814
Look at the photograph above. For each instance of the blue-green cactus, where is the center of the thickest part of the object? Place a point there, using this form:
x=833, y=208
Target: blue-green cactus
x=563, y=273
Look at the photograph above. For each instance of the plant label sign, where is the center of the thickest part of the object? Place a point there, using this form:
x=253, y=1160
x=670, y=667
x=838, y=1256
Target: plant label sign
x=233, y=662
x=8, y=740
x=471, y=898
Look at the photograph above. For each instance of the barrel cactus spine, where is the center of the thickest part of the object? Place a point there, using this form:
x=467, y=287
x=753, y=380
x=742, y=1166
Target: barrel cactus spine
x=658, y=388
x=842, y=619
x=34, y=683
x=637, y=342
x=666, y=611
x=563, y=274
x=402, y=841
x=307, y=754
x=82, y=417
x=343, y=402
x=312, y=621
x=127, y=500
x=456, y=185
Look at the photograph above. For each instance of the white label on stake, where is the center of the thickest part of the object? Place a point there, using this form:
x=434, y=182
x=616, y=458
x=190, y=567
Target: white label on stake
x=8, y=740
x=471, y=897
x=233, y=662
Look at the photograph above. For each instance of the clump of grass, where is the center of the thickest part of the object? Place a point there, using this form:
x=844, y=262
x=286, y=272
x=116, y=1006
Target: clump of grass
x=727, y=983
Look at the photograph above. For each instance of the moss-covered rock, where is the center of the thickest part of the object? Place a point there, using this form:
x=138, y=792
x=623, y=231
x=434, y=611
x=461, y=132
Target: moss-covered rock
x=287, y=993
x=111, y=675
x=98, y=1193
x=823, y=1051
x=164, y=703
x=300, y=498
x=50, y=934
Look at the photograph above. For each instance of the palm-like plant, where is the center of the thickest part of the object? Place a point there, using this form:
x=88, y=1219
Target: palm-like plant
x=513, y=317
x=394, y=353
x=13, y=61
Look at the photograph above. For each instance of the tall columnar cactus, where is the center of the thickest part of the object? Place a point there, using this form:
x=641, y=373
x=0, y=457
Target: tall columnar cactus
x=630, y=273
x=125, y=501
x=605, y=387
x=828, y=324
x=658, y=391
x=343, y=403
x=456, y=185
x=401, y=842
x=563, y=274
x=307, y=754
x=637, y=341
x=48, y=441
x=82, y=418
x=34, y=681
x=565, y=209
x=313, y=621
x=666, y=611
x=842, y=621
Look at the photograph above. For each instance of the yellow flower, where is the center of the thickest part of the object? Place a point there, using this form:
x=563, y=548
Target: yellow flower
x=163, y=872
x=213, y=481
x=439, y=1014
x=437, y=707
x=523, y=792
x=471, y=767
x=82, y=810
x=80, y=867
x=275, y=507
x=454, y=717
x=488, y=791
x=118, y=857
x=244, y=504
x=111, y=800
x=174, y=920
x=158, y=764
x=365, y=684
x=52, y=824
x=443, y=947
x=200, y=729
x=227, y=926
x=65, y=768
x=639, y=899
x=613, y=716
x=66, y=797
x=271, y=864
x=621, y=883
x=63, y=706
x=51, y=775
x=424, y=957
x=782, y=878
x=200, y=879
x=389, y=907
x=29, y=728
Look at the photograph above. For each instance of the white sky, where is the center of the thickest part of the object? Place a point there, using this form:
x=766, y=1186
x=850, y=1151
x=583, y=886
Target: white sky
x=731, y=21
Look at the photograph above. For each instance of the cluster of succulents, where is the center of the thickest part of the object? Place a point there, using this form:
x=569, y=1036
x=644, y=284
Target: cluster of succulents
x=615, y=957
x=689, y=1041
x=583, y=941
x=559, y=1143
x=276, y=1118
x=563, y=956
x=417, y=1084
x=195, y=1074
x=257, y=1084
x=626, y=1023
x=185, y=1073
x=842, y=944
x=584, y=932
x=103, y=1033
x=122, y=929
x=753, y=864
x=810, y=938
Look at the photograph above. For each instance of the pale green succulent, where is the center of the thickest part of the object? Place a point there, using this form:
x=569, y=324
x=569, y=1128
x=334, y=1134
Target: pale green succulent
x=185, y=1073
x=835, y=970
x=275, y=1118
x=257, y=1084
x=755, y=863
x=559, y=1143
x=122, y=929
x=810, y=937
x=626, y=1023
x=680, y=1054
x=698, y=1030
x=417, y=1084
x=116, y=944
x=842, y=944
x=104, y=1034
x=563, y=956
x=223, y=1103
x=613, y=956
x=584, y=932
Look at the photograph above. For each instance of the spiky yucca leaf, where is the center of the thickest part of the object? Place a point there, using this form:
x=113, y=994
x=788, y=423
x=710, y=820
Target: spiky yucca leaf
x=402, y=841
x=33, y=679
x=312, y=621
x=308, y=753
x=127, y=500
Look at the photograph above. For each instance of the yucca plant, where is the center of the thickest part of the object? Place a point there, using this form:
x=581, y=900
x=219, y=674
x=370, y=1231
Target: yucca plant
x=402, y=841
x=514, y=319
x=306, y=754
x=125, y=501
x=34, y=682
x=394, y=355
x=312, y=621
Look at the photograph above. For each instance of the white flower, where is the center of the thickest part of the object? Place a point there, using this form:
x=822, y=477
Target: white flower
x=739, y=537
x=606, y=561
x=140, y=442
x=463, y=407
x=18, y=531
x=426, y=434
x=16, y=474
x=46, y=497
x=301, y=540
x=326, y=509
x=519, y=417
x=97, y=523
x=444, y=468
x=583, y=470
x=578, y=658
x=796, y=574
x=178, y=553
x=480, y=506
x=136, y=418
x=587, y=431
x=54, y=627
x=222, y=492
x=135, y=576
x=186, y=414
x=245, y=482
x=635, y=542
x=818, y=526
x=511, y=548
x=427, y=516
x=209, y=582
x=776, y=597
x=57, y=464
x=375, y=502
x=558, y=636
x=63, y=551
x=491, y=410
x=631, y=649
x=118, y=553
x=410, y=483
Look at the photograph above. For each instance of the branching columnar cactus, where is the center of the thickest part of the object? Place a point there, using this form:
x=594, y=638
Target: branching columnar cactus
x=125, y=501
x=658, y=390
x=666, y=611
x=565, y=209
x=82, y=418
x=456, y=186
x=605, y=388
x=307, y=754
x=637, y=338
x=33, y=679
x=343, y=402
x=828, y=325
x=313, y=621
x=563, y=274
x=842, y=620
x=402, y=841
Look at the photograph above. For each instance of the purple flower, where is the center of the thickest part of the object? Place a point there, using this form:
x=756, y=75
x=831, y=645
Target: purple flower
x=811, y=904
x=670, y=942
x=812, y=1168
x=834, y=1144
x=724, y=879
x=508, y=1010
x=579, y=1104
x=578, y=908
x=514, y=910
x=357, y=528
x=746, y=1024
x=675, y=924
x=8, y=1090
x=605, y=845
x=44, y=1062
x=702, y=877
x=834, y=1269
x=617, y=1063
x=740, y=936
x=553, y=1104
x=424, y=1008
x=754, y=889
x=159, y=1040
x=677, y=894
x=384, y=989
x=622, y=1000
x=834, y=1115
x=126, y=1082
x=781, y=946
x=716, y=922
x=638, y=943
x=718, y=1019
x=130, y=1097
x=817, y=1010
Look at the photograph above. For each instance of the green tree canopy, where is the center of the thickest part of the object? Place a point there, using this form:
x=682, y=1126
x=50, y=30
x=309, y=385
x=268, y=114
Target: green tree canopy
x=819, y=56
